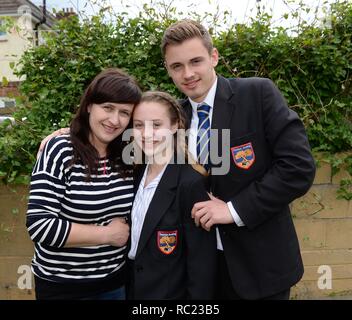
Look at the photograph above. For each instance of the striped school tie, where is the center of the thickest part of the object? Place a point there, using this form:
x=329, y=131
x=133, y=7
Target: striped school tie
x=203, y=136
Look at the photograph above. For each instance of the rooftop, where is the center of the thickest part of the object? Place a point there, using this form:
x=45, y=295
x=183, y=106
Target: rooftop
x=10, y=7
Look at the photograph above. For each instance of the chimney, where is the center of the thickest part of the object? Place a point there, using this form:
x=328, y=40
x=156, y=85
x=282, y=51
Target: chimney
x=65, y=13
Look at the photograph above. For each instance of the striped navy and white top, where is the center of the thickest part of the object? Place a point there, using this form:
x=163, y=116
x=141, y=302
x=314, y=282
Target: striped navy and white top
x=60, y=195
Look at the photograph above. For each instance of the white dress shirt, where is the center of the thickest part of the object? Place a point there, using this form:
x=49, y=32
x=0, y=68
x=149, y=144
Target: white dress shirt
x=140, y=207
x=192, y=147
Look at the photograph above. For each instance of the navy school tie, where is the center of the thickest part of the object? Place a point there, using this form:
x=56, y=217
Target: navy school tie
x=203, y=135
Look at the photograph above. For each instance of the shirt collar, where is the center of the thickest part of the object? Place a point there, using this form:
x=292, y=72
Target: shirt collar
x=154, y=183
x=209, y=99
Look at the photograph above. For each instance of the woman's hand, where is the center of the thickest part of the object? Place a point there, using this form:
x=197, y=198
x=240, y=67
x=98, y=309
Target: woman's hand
x=117, y=232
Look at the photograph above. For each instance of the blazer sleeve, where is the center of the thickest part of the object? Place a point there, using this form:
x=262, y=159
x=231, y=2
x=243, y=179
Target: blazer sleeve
x=292, y=168
x=200, y=245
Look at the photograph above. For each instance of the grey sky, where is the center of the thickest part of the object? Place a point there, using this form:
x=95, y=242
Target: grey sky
x=241, y=9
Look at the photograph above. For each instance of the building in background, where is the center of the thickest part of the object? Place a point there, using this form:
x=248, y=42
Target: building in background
x=28, y=23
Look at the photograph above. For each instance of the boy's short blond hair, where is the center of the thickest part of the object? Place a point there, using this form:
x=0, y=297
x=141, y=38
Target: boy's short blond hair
x=184, y=30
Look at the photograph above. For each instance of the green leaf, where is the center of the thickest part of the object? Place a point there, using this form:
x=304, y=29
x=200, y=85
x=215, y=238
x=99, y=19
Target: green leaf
x=5, y=82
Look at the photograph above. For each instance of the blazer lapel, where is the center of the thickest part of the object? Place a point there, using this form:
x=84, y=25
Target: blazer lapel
x=223, y=105
x=222, y=113
x=162, y=199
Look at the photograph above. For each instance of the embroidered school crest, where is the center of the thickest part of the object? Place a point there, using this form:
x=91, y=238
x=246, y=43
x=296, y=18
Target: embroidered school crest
x=243, y=155
x=167, y=241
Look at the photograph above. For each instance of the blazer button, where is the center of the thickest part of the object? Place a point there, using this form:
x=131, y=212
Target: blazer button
x=139, y=268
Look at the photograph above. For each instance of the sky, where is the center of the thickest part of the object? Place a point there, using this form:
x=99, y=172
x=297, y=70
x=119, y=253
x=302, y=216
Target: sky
x=241, y=10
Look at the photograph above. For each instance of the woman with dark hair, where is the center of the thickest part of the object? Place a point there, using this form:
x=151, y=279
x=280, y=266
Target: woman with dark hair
x=81, y=195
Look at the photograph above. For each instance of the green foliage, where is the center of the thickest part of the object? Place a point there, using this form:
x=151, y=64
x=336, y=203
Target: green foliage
x=345, y=190
x=6, y=23
x=313, y=69
x=342, y=161
x=312, y=66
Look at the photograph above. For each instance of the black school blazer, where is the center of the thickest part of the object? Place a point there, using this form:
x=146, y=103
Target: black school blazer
x=264, y=256
x=175, y=259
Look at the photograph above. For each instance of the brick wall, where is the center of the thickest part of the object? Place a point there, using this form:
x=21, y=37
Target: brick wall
x=10, y=90
x=324, y=228
x=16, y=248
